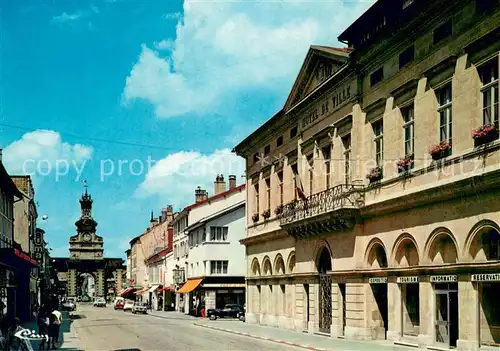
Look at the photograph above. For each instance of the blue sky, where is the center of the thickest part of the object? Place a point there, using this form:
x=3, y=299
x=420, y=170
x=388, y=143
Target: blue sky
x=95, y=85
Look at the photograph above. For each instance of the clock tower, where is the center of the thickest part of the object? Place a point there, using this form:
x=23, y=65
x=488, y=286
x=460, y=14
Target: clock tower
x=86, y=244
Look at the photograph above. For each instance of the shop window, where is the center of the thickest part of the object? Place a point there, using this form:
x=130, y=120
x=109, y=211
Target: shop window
x=442, y=32
x=293, y=132
x=411, y=309
x=377, y=76
x=407, y=56
x=489, y=91
x=283, y=299
x=218, y=233
x=490, y=305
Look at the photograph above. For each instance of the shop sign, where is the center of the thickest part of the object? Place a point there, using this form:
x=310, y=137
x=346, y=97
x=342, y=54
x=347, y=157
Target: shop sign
x=223, y=285
x=38, y=245
x=25, y=257
x=493, y=277
x=444, y=278
x=222, y=291
x=407, y=280
x=378, y=280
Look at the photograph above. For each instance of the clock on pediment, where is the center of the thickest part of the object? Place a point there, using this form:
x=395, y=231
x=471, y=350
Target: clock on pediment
x=86, y=236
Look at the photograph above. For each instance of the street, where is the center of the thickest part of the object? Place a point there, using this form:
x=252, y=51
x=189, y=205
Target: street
x=107, y=329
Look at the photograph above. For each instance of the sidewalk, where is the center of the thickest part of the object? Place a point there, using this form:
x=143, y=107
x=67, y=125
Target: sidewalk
x=302, y=340
x=68, y=338
x=172, y=315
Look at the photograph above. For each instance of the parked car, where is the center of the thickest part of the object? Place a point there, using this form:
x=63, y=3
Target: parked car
x=128, y=305
x=100, y=302
x=69, y=305
x=229, y=311
x=139, y=307
x=119, y=304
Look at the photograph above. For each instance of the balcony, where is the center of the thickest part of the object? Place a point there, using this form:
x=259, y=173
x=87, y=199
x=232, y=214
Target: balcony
x=334, y=209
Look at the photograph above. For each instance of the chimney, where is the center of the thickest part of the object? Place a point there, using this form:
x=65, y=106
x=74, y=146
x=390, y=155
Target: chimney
x=200, y=194
x=219, y=185
x=163, y=217
x=153, y=221
x=232, y=182
x=170, y=213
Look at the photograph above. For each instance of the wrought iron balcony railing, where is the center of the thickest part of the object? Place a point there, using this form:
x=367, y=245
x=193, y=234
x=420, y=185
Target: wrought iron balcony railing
x=344, y=196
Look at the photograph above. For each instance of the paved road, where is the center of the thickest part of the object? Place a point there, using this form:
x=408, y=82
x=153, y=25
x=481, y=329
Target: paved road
x=106, y=329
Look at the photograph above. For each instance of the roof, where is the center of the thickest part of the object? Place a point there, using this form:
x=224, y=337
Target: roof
x=7, y=184
x=360, y=24
x=158, y=255
x=215, y=215
x=134, y=240
x=215, y=197
x=333, y=50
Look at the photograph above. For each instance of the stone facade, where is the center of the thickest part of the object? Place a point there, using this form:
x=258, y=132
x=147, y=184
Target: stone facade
x=372, y=234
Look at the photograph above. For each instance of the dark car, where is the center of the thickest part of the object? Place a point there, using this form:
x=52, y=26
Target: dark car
x=229, y=311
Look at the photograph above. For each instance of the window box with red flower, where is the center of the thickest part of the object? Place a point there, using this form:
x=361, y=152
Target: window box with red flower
x=266, y=214
x=405, y=164
x=278, y=210
x=255, y=217
x=485, y=134
x=440, y=150
x=375, y=174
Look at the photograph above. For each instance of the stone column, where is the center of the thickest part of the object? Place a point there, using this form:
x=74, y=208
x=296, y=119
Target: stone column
x=100, y=283
x=336, y=329
x=468, y=310
x=394, y=310
x=356, y=318
x=426, y=313
x=300, y=302
x=71, y=283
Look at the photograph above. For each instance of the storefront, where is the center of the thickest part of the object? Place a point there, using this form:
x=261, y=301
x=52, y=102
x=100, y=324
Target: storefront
x=488, y=287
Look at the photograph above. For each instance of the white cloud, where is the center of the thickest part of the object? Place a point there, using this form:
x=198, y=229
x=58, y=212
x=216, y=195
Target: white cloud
x=43, y=149
x=165, y=44
x=172, y=15
x=64, y=17
x=175, y=177
x=67, y=17
x=223, y=47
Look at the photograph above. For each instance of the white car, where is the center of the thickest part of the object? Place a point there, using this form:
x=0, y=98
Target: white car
x=69, y=305
x=139, y=307
x=100, y=302
x=128, y=305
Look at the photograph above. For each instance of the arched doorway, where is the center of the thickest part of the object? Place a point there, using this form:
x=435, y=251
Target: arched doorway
x=86, y=287
x=325, y=290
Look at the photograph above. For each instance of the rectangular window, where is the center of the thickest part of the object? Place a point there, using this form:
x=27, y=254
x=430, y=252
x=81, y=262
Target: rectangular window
x=346, y=141
x=218, y=267
x=218, y=233
x=406, y=56
x=267, y=150
x=293, y=132
x=377, y=76
x=327, y=154
x=442, y=32
x=268, y=194
x=445, y=117
x=279, y=141
x=256, y=157
x=408, y=128
x=489, y=91
x=310, y=162
x=280, y=183
x=256, y=191
x=378, y=131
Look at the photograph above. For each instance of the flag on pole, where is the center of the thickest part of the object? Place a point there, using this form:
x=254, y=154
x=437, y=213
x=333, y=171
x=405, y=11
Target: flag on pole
x=299, y=188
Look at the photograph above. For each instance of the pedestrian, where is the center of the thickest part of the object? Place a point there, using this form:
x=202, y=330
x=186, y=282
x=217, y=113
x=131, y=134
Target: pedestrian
x=43, y=327
x=55, y=327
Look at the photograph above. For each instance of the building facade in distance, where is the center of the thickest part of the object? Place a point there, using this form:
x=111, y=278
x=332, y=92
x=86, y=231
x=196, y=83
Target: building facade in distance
x=372, y=197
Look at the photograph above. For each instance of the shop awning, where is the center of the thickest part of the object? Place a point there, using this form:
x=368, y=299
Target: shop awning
x=153, y=288
x=167, y=288
x=189, y=286
x=140, y=292
x=126, y=291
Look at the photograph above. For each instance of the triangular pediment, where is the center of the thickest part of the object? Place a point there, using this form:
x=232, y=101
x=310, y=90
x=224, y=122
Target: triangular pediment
x=321, y=63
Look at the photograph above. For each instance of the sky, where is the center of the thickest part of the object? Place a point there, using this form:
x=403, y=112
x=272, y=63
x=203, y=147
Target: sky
x=144, y=99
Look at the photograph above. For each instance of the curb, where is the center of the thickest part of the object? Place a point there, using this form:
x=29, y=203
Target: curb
x=261, y=337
